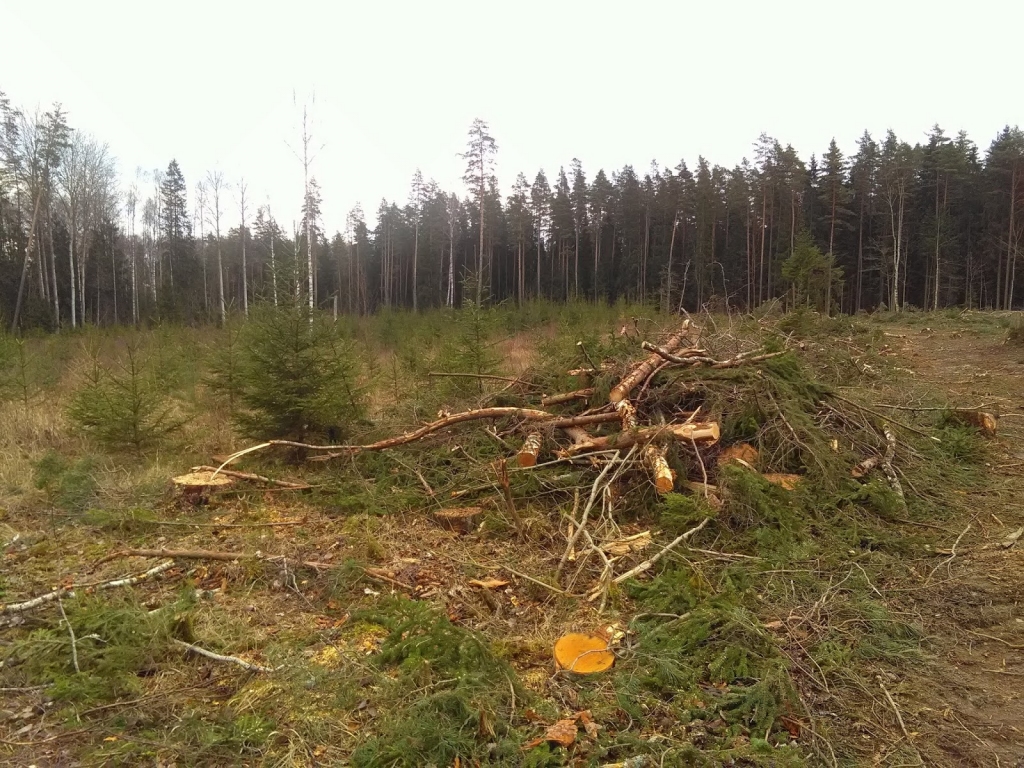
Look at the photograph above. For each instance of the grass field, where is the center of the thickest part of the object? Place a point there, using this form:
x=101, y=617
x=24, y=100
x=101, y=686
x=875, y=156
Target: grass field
x=831, y=623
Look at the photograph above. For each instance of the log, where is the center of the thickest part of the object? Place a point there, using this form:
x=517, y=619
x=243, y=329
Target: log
x=527, y=456
x=567, y=397
x=702, y=432
x=664, y=477
x=644, y=369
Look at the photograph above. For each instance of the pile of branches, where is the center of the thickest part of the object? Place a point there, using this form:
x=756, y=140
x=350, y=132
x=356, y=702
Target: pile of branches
x=569, y=436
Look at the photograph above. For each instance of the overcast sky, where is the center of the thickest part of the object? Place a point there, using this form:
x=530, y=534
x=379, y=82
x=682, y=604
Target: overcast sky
x=397, y=84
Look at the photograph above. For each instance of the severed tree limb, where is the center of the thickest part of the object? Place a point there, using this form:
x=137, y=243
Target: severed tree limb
x=621, y=390
x=865, y=466
x=890, y=472
x=683, y=357
x=567, y=397
x=664, y=477
x=595, y=491
x=741, y=360
x=246, y=665
x=71, y=631
x=627, y=413
x=256, y=478
x=699, y=432
x=57, y=594
x=647, y=564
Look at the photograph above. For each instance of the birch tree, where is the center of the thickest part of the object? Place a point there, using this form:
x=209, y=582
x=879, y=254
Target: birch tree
x=216, y=186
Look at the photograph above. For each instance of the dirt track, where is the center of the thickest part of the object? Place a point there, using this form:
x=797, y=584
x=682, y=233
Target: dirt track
x=971, y=704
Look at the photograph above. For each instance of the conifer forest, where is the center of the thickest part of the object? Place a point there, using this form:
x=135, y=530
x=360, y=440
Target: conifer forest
x=929, y=224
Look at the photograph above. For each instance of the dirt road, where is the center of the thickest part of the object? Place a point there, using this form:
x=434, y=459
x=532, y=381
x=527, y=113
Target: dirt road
x=970, y=705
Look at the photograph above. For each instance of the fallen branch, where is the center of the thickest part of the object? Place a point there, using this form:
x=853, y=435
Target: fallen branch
x=254, y=478
x=890, y=473
x=699, y=432
x=649, y=563
x=246, y=665
x=685, y=357
x=57, y=594
x=71, y=632
x=567, y=397
x=621, y=390
x=473, y=376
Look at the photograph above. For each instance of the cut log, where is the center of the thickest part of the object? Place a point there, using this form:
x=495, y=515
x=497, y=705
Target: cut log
x=527, y=456
x=567, y=397
x=865, y=466
x=986, y=422
x=789, y=482
x=739, y=452
x=583, y=654
x=664, y=478
x=644, y=369
x=701, y=432
x=459, y=519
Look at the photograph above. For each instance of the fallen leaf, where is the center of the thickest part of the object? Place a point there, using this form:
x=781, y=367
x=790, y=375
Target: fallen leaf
x=1012, y=539
x=562, y=732
x=488, y=583
x=588, y=723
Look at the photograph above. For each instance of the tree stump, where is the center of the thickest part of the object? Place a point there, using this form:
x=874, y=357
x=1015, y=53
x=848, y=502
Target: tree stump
x=194, y=488
x=461, y=520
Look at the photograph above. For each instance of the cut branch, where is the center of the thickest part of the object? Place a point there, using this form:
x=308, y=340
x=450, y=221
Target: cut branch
x=246, y=665
x=664, y=477
x=647, y=564
x=644, y=369
x=57, y=594
x=698, y=432
x=567, y=397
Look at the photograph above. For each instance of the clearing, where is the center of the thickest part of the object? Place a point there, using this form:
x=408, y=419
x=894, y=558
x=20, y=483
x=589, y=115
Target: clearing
x=401, y=606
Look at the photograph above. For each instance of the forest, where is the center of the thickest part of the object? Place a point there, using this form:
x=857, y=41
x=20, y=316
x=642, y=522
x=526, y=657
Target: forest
x=896, y=225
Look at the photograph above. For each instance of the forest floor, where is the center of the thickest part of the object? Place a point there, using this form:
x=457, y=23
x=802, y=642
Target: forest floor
x=800, y=628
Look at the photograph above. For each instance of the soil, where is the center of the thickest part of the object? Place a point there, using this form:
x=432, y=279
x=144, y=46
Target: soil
x=969, y=703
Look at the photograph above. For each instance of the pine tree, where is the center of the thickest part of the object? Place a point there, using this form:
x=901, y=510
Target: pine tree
x=479, y=177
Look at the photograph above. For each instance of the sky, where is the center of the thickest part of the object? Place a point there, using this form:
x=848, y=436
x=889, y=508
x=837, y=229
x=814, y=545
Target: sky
x=393, y=86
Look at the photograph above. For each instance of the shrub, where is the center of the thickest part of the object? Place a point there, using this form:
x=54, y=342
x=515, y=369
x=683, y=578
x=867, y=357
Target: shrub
x=296, y=375
x=124, y=406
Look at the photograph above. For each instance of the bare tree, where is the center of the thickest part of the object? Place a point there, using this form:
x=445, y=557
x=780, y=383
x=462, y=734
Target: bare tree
x=242, y=188
x=201, y=203
x=217, y=186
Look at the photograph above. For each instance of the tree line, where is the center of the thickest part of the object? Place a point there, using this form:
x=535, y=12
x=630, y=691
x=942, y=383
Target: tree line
x=928, y=225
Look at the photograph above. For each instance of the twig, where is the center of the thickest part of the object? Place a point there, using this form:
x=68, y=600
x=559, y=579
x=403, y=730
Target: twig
x=952, y=553
x=71, y=631
x=873, y=412
x=246, y=665
x=586, y=512
x=586, y=355
x=62, y=735
x=185, y=524
x=57, y=594
x=647, y=564
x=1007, y=643
x=899, y=718
x=473, y=376
x=538, y=582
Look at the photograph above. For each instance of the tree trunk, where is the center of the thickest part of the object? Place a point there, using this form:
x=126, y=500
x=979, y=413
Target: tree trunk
x=28, y=259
